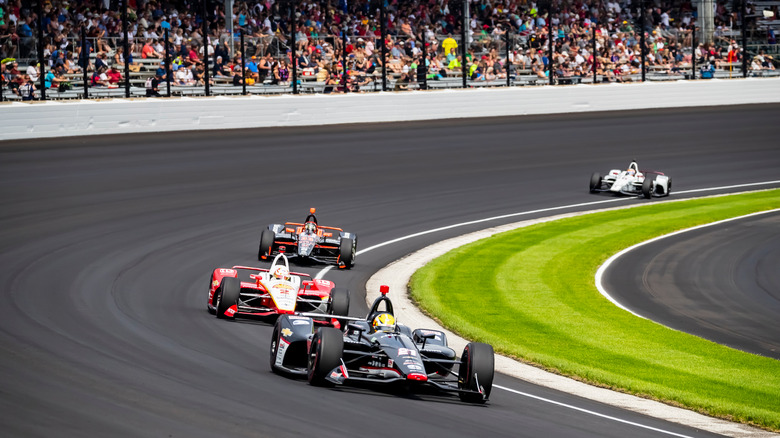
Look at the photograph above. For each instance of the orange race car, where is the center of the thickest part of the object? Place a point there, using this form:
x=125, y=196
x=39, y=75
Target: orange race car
x=309, y=242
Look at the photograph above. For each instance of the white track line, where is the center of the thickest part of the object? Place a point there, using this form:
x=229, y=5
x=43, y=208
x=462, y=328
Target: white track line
x=589, y=412
x=322, y=272
x=603, y=268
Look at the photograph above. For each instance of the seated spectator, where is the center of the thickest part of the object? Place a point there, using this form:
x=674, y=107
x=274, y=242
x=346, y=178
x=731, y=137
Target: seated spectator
x=238, y=79
x=538, y=69
x=26, y=90
x=101, y=61
x=184, y=76
x=34, y=71
x=192, y=56
x=114, y=76
x=148, y=51
x=99, y=78
x=264, y=67
x=153, y=86
x=454, y=65
x=56, y=79
x=220, y=70
x=252, y=70
x=708, y=70
x=281, y=73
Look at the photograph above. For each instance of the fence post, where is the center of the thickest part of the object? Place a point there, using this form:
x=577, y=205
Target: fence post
x=508, y=68
x=383, y=32
x=422, y=67
x=344, y=58
x=744, y=39
x=293, y=61
x=86, y=61
x=550, y=45
x=463, y=42
x=126, y=49
x=205, y=32
x=642, y=36
x=167, y=64
x=595, y=53
x=42, y=65
x=693, y=52
x=243, y=64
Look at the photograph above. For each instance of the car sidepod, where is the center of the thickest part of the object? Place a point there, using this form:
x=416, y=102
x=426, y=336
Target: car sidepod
x=289, y=344
x=437, y=356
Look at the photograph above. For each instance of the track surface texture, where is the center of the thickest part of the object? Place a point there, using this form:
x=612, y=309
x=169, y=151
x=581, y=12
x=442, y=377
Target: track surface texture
x=721, y=283
x=106, y=244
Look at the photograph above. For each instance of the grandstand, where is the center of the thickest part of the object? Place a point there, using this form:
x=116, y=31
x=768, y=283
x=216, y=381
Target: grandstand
x=338, y=45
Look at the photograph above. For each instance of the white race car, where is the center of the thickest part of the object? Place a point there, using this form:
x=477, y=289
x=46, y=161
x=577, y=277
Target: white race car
x=633, y=182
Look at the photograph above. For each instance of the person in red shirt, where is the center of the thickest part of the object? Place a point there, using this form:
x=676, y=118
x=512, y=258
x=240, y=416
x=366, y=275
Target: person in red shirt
x=114, y=75
x=193, y=55
x=148, y=51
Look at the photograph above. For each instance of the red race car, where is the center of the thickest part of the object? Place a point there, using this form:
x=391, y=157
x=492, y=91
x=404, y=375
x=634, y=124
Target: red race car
x=249, y=291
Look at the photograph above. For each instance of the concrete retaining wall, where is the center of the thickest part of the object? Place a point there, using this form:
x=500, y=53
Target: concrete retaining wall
x=118, y=116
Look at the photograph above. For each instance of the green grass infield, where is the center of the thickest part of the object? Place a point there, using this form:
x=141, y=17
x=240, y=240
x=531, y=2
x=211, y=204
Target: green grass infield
x=531, y=294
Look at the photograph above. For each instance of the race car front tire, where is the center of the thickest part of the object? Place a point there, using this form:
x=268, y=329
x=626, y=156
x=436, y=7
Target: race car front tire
x=210, y=307
x=339, y=302
x=227, y=295
x=266, y=244
x=327, y=347
x=647, y=188
x=476, y=371
x=347, y=252
x=595, y=182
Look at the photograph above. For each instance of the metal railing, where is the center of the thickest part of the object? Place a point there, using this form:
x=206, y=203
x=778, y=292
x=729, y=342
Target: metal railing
x=240, y=64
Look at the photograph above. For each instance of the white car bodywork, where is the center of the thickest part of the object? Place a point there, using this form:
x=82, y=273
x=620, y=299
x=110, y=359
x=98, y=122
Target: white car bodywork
x=632, y=182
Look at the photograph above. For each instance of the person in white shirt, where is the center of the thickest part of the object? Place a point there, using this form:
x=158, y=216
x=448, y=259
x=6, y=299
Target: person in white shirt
x=33, y=72
x=184, y=76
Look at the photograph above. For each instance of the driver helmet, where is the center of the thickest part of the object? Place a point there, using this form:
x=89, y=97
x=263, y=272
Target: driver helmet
x=384, y=322
x=281, y=273
x=311, y=227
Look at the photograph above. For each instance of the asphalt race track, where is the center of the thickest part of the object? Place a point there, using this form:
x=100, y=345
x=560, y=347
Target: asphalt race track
x=721, y=283
x=106, y=244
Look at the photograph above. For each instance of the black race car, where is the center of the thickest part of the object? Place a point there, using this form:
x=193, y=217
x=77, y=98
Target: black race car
x=377, y=350
x=309, y=241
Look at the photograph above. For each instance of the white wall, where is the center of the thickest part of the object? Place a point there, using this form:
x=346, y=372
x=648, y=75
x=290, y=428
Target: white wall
x=118, y=116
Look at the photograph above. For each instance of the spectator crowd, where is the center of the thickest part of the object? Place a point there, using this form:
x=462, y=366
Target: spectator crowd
x=586, y=35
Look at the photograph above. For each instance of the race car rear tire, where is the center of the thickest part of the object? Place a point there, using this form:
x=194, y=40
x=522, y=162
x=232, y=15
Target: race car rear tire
x=647, y=188
x=476, y=371
x=347, y=252
x=275, y=339
x=668, y=187
x=227, y=295
x=595, y=182
x=339, y=302
x=266, y=244
x=327, y=346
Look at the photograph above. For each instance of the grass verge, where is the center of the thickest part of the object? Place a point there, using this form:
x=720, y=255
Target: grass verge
x=531, y=293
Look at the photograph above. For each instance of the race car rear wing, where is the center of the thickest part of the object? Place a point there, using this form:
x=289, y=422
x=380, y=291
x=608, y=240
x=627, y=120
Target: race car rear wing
x=251, y=268
x=327, y=316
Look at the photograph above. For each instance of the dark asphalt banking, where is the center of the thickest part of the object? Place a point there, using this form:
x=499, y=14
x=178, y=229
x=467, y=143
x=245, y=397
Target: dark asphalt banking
x=106, y=244
x=720, y=282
